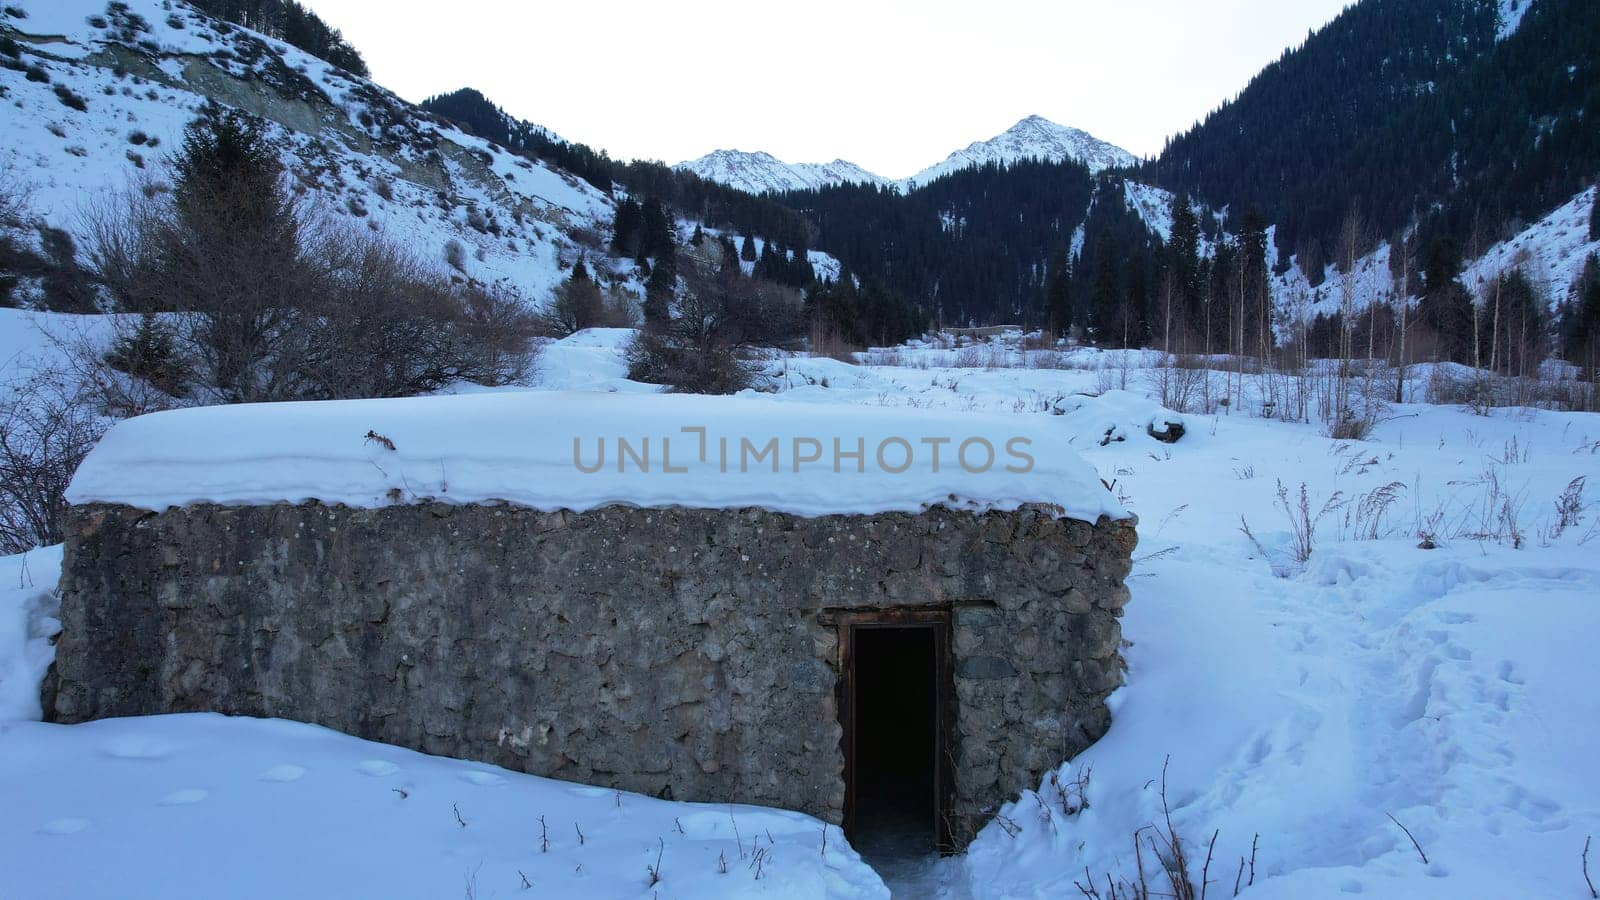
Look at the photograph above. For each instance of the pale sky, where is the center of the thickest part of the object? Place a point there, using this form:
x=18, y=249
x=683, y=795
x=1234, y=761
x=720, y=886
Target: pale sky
x=892, y=86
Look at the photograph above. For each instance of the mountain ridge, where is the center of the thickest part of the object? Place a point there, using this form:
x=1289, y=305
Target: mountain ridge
x=1032, y=137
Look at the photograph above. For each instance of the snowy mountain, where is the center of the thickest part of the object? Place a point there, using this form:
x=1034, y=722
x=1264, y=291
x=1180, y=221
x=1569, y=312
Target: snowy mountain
x=761, y=172
x=1032, y=138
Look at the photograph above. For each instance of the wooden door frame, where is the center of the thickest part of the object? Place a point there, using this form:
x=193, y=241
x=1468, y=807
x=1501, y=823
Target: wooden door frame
x=939, y=622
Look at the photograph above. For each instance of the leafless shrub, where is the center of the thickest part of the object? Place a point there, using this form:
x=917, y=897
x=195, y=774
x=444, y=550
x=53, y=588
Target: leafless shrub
x=1171, y=877
x=1367, y=513
x=1302, y=522
x=1496, y=513
x=580, y=303
x=1569, y=507
x=45, y=432
x=329, y=311
x=1073, y=795
x=970, y=358
x=1177, y=382
x=1111, y=377
x=824, y=340
x=1447, y=385
x=456, y=255
x=719, y=313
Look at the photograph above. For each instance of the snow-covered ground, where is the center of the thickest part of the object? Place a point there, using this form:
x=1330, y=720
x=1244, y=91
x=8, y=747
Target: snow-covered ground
x=1294, y=705
x=201, y=805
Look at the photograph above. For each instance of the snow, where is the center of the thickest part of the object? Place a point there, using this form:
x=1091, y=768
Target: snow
x=200, y=805
x=1304, y=702
x=1510, y=16
x=27, y=623
x=533, y=449
x=1035, y=137
x=1551, y=251
x=761, y=172
x=1153, y=206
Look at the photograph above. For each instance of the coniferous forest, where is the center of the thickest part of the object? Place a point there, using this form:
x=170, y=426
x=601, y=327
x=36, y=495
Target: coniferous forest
x=1405, y=110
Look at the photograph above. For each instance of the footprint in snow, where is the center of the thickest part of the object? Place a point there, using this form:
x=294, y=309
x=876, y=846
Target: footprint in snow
x=135, y=746
x=485, y=779
x=377, y=768
x=185, y=797
x=284, y=773
x=64, y=826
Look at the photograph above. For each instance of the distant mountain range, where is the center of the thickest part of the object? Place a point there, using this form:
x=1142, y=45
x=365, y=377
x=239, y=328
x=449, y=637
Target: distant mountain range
x=1032, y=138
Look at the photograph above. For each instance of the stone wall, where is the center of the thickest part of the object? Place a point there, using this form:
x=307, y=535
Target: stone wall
x=678, y=652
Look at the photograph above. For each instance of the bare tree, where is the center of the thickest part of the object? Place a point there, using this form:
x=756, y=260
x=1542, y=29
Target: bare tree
x=45, y=432
x=717, y=313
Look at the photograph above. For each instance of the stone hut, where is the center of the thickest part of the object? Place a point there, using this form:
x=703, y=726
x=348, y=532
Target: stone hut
x=605, y=589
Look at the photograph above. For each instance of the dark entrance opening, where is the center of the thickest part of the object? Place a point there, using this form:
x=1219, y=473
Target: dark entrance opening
x=896, y=720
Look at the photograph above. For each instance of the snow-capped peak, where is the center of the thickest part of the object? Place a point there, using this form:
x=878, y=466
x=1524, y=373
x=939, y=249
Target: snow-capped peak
x=1035, y=137
x=760, y=172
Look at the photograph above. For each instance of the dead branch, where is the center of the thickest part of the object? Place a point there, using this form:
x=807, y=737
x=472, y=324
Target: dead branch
x=1586, y=880
x=1409, y=835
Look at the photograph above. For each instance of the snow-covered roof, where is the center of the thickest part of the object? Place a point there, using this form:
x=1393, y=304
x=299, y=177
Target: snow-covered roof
x=544, y=450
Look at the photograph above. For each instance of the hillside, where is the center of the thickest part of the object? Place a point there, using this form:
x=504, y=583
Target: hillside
x=1468, y=114
x=96, y=102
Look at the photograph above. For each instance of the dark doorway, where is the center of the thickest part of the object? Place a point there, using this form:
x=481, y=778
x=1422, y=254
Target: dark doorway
x=895, y=730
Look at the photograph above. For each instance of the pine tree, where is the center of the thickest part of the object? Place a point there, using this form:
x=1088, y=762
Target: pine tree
x=1183, y=260
x=659, y=290
x=747, y=250
x=1580, y=321
x=1594, y=215
x=227, y=173
x=1105, y=295
x=625, y=228
x=768, y=266
x=658, y=241
x=1058, y=295
x=1446, y=306
x=1522, y=326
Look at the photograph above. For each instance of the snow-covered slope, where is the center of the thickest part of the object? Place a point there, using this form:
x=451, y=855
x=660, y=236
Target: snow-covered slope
x=761, y=172
x=1032, y=138
x=1510, y=15
x=362, y=154
x=1551, y=252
